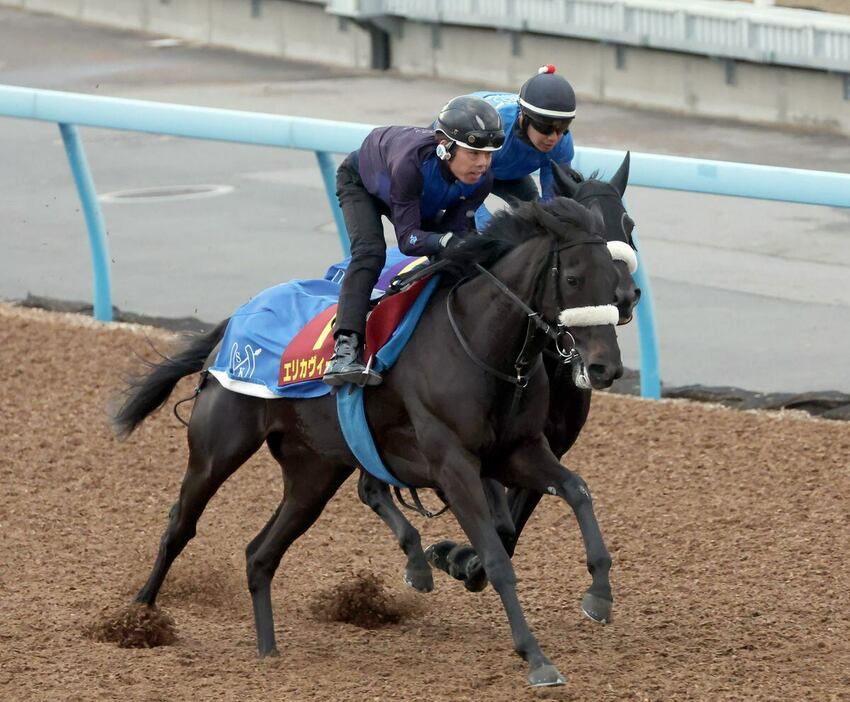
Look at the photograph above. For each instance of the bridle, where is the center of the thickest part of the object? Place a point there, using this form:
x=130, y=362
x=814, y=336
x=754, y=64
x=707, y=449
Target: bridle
x=618, y=197
x=539, y=329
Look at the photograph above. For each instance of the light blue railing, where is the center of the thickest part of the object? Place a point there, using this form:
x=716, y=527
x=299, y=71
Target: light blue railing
x=326, y=138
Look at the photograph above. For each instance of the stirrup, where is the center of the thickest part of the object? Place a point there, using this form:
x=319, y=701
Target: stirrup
x=358, y=375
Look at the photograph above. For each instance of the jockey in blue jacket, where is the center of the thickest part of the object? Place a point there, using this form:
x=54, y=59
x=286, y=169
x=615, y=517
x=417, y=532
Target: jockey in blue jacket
x=428, y=183
x=537, y=132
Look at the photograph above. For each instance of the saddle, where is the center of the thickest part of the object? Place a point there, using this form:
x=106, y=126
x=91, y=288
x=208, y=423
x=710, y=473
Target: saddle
x=405, y=279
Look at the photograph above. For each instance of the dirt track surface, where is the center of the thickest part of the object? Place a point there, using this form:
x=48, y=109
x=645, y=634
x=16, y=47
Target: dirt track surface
x=729, y=533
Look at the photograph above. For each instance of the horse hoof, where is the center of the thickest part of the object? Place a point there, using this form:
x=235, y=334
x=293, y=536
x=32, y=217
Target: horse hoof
x=438, y=554
x=419, y=580
x=546, y=676
x=476, y=578
x=271, y=653
x=597, y=608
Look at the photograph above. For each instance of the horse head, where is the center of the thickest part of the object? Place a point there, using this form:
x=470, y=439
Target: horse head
x=618, y=224
x=575, y=285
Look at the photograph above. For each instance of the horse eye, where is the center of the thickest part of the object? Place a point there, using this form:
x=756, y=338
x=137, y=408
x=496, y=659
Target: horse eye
x=572, y=281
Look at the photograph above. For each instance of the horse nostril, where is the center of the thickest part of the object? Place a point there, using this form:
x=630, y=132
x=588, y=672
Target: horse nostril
x=601, y=375
x=627, y=298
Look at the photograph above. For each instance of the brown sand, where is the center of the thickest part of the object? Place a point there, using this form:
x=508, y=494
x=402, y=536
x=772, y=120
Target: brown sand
x=729, y=533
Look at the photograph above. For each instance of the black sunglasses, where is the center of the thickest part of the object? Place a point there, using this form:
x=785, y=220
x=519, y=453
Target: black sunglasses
x=561, y=126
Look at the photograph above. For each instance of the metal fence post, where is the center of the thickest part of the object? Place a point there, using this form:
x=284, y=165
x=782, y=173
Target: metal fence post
x=650, y=380
x=328, y=168
x=94, y=221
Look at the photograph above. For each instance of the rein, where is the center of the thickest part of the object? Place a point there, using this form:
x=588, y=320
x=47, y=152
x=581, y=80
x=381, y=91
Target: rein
x=537, y=331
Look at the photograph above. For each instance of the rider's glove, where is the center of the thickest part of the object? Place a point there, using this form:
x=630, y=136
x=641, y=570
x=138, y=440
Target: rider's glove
x=450, y=241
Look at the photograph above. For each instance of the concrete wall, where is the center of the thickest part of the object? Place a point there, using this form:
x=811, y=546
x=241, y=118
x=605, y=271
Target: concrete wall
x=684, y=83
x=296, y=30
x=664, y=80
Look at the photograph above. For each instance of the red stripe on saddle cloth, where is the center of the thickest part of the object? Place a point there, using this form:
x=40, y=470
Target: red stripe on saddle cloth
x=307, y=354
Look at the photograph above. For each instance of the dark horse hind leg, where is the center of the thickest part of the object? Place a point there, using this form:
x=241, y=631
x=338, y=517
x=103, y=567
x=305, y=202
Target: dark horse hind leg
x=375, y=494
x=309, y=482
x=217, y=447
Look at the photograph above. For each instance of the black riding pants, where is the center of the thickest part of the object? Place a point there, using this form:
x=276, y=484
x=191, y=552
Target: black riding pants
x=362, y=213
x=523, y=189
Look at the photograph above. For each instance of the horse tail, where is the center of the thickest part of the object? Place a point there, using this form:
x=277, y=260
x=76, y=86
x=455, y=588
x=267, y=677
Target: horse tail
x=148, y=392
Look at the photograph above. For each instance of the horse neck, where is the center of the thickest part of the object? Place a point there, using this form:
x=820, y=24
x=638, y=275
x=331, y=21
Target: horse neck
x=492, y=323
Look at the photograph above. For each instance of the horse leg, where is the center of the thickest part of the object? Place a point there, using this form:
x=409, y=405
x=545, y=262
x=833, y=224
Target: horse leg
x=460, y=560
x=464, y=492
x=536, y=468
x=309, y=482
x=521, y=503
x=375, y=494
x=218, y=445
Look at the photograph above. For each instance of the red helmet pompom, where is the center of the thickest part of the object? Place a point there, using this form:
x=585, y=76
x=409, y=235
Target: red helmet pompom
x=548, y=68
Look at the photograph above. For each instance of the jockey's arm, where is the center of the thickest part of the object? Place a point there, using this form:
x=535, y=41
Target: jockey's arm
x=406, y=214
x=405, y=197
x=412, y=239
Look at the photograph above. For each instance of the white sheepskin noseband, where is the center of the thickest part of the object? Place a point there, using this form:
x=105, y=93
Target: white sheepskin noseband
x=591, y=316
x=621, y=251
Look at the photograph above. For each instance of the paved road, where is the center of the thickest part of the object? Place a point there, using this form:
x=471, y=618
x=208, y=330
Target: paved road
x=747, y=293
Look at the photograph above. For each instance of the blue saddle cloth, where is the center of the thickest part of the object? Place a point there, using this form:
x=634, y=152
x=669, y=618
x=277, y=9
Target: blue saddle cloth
x=248, y=361
x=256, y=338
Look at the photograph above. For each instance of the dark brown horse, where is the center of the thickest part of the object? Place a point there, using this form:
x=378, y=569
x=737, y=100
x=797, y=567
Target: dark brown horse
x=569, y=405
x=439, y=420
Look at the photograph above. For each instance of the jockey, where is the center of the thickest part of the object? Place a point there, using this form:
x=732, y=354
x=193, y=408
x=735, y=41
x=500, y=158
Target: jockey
x=537, y=132
x=428, y=183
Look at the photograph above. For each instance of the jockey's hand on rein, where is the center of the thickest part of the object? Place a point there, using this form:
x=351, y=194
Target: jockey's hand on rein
x=449, y=242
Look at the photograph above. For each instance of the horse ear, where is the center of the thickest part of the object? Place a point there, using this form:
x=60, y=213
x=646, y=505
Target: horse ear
x=564, y=184
x=547, y=220
x=596, y=210
x=621, y=177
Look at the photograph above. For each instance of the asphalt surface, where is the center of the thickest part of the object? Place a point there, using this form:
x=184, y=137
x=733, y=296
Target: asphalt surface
x=747, y=293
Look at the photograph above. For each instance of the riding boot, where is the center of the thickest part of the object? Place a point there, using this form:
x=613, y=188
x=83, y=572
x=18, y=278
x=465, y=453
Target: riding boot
x=346, y=365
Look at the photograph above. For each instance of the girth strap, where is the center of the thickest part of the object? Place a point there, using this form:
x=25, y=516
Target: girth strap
x=418, y=506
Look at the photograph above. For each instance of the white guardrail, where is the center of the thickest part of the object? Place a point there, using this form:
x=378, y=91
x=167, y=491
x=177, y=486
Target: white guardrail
x=734, y=30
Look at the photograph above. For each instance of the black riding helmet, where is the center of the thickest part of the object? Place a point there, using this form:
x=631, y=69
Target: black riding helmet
x=548, y=99
x=472, y=123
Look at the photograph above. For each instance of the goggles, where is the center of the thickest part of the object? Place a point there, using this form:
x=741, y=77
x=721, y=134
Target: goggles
x=559, y=126
x=482, y=141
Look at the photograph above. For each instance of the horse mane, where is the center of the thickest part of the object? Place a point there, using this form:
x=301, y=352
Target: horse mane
x=514, y=226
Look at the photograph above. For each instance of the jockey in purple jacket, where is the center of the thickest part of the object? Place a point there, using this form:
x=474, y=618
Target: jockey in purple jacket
x=428, y=183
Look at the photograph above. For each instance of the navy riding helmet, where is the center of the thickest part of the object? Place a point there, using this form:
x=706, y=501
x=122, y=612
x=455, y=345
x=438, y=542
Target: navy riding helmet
x=548, y=101
x=472, y=123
